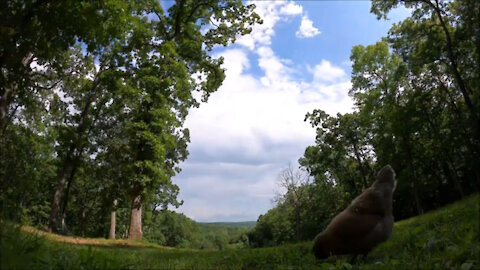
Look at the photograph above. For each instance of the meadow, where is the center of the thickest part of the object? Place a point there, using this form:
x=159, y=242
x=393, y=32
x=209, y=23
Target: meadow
x=447, y=238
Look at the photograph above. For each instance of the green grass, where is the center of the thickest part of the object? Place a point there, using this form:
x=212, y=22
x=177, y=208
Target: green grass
x=447, y=238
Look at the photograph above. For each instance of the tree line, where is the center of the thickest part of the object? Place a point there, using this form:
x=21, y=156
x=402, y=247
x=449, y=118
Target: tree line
x=93, y=98
x=417, y=107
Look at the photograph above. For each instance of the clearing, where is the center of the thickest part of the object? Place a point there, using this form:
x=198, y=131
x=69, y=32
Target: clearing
x=447, y=238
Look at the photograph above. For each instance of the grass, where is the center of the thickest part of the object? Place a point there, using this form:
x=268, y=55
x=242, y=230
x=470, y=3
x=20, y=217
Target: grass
x=447, y=238
x=97, y=242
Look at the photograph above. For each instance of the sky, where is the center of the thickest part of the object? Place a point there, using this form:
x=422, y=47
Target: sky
x=253, y=126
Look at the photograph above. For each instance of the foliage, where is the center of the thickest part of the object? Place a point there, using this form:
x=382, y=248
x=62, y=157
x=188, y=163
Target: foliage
x=447, y=238
x=301, y=211
x=273, y=228
x=224, y=235
x=168, y=228
x=417, y=108
x=93, y=98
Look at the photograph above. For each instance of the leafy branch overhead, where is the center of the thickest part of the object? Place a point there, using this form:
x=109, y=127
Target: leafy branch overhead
x=106, y=91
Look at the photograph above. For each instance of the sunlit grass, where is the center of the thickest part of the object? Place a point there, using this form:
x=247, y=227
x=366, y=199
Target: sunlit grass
x=101, y=242
x=447, y=238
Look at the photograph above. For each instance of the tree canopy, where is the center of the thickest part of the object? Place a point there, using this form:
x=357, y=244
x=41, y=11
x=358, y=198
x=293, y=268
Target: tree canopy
x=93, y=98
x=417, y=107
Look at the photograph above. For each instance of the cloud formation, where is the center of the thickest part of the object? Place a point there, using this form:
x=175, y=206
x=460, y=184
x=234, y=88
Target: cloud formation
x=253, y=127
x=248, y=131
x=291, y=9
x=307, y=30
x=326, y=72
x=271, y=13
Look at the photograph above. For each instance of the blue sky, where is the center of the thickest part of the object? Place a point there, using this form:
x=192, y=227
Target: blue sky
x=253, y=127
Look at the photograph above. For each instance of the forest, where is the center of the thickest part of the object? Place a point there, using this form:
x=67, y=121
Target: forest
x=94, y=96
x=417, y=94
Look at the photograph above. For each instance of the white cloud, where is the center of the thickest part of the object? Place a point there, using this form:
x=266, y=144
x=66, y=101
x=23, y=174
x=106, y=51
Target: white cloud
x=307, y=30
x=291, y=9
x=262, y=33
x=326, y=72
x=271, y=13
x=254, y=126
x=248, y=131
x=237, y=62
x=274, y=68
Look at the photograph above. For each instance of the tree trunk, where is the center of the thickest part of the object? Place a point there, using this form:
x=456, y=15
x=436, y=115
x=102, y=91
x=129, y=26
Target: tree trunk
x=65, y=199
x=113, y=220
x=298, y=227
x=414, y=183
x=84, y=221
x=135, y=231
x=64, y=224
x=71, y=160
x=416, y=198
x=456, y=181
x=453, y=58
x=359, y=160
x=66, y=170
x=4, y=103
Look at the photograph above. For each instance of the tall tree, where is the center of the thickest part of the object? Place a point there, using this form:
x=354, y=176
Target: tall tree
x=294, y=182
x=441, y=37
x=90, y=88
x=169, y=56
x=341, y=152
x=417, y=106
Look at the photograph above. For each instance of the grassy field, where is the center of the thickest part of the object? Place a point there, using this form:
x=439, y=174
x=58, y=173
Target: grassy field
x=447, y=238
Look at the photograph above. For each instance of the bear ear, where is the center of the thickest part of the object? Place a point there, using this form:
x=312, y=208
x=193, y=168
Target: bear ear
x=386, y=174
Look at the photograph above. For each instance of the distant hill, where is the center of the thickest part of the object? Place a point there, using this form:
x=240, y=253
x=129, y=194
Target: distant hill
x=242, y=224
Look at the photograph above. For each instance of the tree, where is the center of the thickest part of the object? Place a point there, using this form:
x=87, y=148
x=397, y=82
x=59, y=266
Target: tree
x=38, y=31
x=294, y=182
x=172, y=52
x=342, y=151
x=415, y=109
x=441, y=37
x=417, y=106
x=90, y=89
x=272, y=228
x=383, y=94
